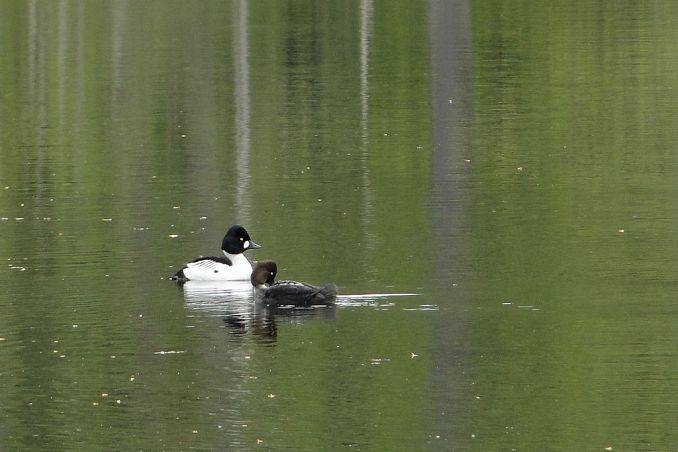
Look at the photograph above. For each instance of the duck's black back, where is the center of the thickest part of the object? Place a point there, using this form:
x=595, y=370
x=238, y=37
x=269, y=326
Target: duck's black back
x=299, y=294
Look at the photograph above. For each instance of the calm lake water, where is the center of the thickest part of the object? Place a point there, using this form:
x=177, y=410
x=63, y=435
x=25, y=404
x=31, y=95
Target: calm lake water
x=512, y=164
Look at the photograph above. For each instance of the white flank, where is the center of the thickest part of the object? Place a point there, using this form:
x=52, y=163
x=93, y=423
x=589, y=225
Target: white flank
x=209, y=270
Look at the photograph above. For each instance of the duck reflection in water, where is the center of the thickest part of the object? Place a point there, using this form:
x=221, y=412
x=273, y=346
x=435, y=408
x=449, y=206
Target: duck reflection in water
x=263, y=321
x=235, y=304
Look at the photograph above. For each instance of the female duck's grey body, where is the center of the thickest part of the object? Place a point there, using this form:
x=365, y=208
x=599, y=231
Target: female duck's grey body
x=233, y=266
x=283, y=293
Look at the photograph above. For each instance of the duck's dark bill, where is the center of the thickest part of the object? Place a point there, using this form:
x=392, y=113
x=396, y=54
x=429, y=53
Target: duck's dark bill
x=253, y=246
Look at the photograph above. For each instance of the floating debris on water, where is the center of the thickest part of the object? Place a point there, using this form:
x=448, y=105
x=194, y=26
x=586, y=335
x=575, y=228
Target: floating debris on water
x=107, y=219
x=369, y=300
x=169, y=352
x=369, y=296
x=507, y=303
x=378, y=361
x=173, y=236
x=424, y=307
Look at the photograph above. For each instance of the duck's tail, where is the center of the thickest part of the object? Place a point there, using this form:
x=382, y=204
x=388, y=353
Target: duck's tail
x=179, y=277
x=324, y=295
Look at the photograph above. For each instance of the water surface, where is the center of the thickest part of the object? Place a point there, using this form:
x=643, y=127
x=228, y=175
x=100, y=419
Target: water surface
x=512, y=165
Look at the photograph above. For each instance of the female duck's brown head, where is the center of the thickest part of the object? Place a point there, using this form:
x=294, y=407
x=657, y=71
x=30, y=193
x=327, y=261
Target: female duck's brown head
x=264, y=273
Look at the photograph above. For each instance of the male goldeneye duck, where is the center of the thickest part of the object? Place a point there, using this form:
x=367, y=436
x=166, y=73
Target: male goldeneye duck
x=233, y=266
x=283, y=293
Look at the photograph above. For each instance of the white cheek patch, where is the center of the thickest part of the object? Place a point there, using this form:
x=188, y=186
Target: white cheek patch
x=246, y=244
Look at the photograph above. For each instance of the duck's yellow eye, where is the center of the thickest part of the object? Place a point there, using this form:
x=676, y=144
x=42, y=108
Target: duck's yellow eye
x=271, y=273
x=241, y=239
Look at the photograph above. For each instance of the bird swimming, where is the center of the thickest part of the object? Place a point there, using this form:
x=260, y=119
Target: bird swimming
x=233, y=266
x=283, y=293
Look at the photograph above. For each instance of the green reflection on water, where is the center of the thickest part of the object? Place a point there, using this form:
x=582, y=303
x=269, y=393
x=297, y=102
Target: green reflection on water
x=573, y=170
x=119, y=130
x=339, y=134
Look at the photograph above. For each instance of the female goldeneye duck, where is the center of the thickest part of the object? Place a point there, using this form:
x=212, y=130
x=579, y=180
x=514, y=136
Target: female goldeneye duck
x=234, y=266
x=283, y=293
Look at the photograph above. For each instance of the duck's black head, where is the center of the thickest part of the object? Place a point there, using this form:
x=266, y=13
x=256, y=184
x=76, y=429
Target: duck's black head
x=237, y=241
x=264, y=273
